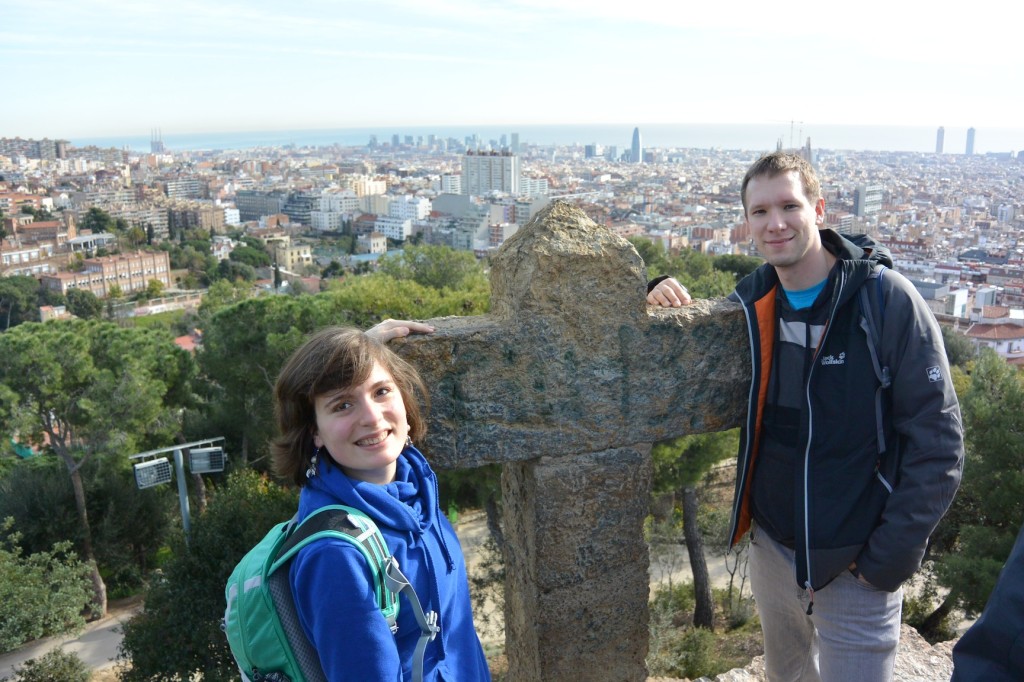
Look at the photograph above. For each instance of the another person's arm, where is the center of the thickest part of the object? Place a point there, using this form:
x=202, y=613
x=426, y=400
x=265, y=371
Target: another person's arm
x=928, y=439
x=667, y=292
x=394, y=329
x=993, y=648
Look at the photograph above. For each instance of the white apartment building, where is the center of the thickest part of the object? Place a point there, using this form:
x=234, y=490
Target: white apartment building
x=533, y=187
x=326, y=221
x=484, y=172
x=232, y=216
x=343, y=201
x=375, y=242
x=335, y=208
x=378, y=204
x=398, y=229
x=363, y=185
x=409, y=207
x=32, y=261
x=450, y=184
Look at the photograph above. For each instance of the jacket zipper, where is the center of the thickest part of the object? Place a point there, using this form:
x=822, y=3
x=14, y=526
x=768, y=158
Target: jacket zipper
x=837, y=295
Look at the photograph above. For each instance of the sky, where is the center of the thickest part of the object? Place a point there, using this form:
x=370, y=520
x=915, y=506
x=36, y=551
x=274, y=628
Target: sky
x=86, y=68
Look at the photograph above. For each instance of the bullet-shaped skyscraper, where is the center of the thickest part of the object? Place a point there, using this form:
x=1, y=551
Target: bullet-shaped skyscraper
x=939, y=139
x=970, y=141
x=636, y=154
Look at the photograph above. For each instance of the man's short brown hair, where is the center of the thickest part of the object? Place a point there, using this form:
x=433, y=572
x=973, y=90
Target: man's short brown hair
x=776, y=163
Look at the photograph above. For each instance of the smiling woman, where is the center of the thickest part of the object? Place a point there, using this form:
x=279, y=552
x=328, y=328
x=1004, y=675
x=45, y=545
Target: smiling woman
x=348, y=412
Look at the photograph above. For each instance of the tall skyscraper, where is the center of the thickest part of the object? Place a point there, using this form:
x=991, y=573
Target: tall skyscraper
x=970, y=141
x=484, y=172
x=515, y=143
x=807, y=153
x=156, y=142
x=636, y=154
x=940, y=136
x=867, y=199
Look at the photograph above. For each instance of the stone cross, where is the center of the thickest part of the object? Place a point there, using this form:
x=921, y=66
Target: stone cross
x=567, y=382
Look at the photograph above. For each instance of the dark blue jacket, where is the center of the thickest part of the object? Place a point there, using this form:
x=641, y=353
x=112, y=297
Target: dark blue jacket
x=853, y=503
x=333, y=586
x=992, y=650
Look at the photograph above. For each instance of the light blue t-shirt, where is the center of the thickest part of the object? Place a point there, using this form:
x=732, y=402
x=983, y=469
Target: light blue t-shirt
x=804, y=298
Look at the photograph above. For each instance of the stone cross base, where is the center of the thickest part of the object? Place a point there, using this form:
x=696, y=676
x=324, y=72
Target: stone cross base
x=576, y=584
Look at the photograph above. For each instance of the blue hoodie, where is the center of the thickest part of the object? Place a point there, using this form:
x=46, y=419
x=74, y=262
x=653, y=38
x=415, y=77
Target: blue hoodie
x=333, y=586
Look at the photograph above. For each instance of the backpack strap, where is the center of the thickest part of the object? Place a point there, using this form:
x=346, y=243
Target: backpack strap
x=389, y=581
x=355, y=526
x=871, y=321
x=397, y=582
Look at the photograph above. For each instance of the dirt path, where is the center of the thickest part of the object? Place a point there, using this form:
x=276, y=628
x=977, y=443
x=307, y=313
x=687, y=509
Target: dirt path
x=96, y=645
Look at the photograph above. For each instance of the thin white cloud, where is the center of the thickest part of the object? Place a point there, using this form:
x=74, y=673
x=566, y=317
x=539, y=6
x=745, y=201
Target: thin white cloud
x=520, y=60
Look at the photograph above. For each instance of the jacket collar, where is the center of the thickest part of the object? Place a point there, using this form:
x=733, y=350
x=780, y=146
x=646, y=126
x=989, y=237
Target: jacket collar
x=409, y=503
x=854, y=262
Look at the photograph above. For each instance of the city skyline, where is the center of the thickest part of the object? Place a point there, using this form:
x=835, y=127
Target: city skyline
x=103, y=67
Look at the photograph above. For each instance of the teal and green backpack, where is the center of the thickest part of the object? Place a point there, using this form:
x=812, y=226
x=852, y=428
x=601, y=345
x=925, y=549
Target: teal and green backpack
x=261, y=623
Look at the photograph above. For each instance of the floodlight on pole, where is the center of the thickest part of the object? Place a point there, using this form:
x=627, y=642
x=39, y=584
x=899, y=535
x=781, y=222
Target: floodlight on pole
x=206, y=460
x=152, y=473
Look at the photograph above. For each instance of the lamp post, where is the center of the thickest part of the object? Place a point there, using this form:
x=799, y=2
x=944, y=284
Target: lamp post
x=204, y=457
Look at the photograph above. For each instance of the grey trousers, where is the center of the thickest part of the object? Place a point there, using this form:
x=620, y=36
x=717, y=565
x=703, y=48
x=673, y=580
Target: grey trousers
x=851, y=636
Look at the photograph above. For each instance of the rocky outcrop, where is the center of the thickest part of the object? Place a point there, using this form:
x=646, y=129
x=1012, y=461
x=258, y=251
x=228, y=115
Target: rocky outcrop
x=916, y=661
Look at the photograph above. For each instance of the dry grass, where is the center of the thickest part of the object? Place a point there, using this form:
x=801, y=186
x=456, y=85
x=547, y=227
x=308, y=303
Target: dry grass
x=107, y=674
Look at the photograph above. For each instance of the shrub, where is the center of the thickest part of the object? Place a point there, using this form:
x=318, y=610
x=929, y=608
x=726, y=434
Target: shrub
x=670, y=609
x=696, y=652
x=37, y=494
x=128, y=525
x=42, y=593
x=918, y=608
x=178, y=634
x=53, y=666
x=677, y=649
x=737, y=609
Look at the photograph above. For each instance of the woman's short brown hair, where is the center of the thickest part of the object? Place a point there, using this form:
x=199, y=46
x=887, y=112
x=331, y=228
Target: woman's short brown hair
x=331, y=359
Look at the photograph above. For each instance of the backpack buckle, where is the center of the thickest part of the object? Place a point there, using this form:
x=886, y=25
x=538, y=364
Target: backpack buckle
x=432, y=627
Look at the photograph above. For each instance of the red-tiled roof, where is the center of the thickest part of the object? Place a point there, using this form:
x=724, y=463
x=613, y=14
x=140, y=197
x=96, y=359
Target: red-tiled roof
x=187, y=342
x=996, y=332
x=992, y=312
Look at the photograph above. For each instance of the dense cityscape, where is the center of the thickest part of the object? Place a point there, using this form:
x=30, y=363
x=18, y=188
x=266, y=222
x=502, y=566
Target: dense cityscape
x=952, y=220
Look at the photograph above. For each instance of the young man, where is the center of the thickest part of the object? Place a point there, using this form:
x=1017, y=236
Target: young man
x=839, y=480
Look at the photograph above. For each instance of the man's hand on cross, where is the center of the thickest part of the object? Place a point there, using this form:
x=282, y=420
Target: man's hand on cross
x=669, y=293
x=393, y=329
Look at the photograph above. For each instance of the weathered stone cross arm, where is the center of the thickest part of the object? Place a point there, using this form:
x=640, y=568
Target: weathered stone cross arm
x=571, y=359
x=567, y=382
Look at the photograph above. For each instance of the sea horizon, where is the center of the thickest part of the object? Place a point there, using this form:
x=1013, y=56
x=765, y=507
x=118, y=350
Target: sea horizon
x=754, y=137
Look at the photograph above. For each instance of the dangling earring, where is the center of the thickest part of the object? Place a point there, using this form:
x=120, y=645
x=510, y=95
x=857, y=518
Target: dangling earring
x=311, y=470
x=408, y=441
